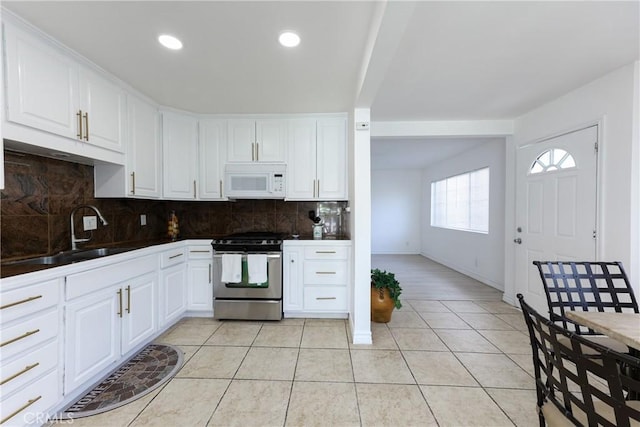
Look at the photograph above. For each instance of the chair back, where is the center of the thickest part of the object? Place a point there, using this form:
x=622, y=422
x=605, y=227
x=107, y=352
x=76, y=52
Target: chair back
x=581, y=379
x=585, y=286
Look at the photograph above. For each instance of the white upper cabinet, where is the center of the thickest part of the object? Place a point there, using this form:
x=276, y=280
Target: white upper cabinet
x=180, y=151
x=317, y=161
x=144, y=154
x=256, y=140
x=212, y=155
x=50, y=91
x=103, y=109
x=141, y=176
x=331, y=152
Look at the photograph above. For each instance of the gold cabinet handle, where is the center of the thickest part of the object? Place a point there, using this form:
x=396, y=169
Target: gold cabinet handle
x=194, y=189
x=86, y=127
x=175, y=256
x=209, y=273
x=120, y=302
x=20, y=409
x=318, y=184
x=133, y=183
x=220, y=188
x=22, y=301
x=79, y=115
x=199, y=252
x=325, y=272
x=314, y=188
x=325, y=252
x=17, y=374
x=25, y=335
x=257, y=152
x=129, y=299
x=253, y=151
x=325, y=298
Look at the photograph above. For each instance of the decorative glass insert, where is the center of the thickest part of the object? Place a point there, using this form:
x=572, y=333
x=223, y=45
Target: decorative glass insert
x=552, y=160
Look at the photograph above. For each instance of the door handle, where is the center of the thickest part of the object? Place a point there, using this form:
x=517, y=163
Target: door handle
x=518, y=241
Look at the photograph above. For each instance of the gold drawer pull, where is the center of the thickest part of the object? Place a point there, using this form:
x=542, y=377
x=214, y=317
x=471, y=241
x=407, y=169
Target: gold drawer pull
x=20, y=409
x=325, y=252
x=26, y=334
x=175, y=256
x=325, y=272
x=324, y=298
x=19, y=302
x=17, y=374
x=199, y=252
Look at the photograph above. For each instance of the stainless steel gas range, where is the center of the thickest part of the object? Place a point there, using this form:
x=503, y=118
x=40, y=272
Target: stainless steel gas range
x=247, y=280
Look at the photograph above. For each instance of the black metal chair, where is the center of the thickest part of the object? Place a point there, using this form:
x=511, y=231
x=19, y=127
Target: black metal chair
x=586, y=286
x=578, y=381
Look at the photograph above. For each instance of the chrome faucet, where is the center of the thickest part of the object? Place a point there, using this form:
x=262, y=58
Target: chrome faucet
x=74, y=241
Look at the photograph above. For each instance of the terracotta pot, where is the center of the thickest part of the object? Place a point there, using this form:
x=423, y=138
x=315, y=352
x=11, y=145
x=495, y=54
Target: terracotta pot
x=381, y=305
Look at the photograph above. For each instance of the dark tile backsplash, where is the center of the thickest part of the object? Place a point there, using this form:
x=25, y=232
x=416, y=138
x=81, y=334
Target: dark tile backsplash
x=40, y=193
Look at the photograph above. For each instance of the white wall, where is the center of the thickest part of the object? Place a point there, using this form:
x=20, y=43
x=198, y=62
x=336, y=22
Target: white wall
x=609, y=101
x=480, y=256
x=396, y=197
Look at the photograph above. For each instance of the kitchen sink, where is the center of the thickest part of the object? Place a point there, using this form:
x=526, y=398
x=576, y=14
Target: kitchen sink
x=69, y=257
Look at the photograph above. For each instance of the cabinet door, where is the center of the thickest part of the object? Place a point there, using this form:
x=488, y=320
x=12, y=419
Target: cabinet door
x=292, y=279
x=42, y=85
x=301, y=167
x=271, y=140
x=92, y=335
x=200, y=292
x=332, y=159
x=139, y=317
x=174, y=293
x=144, y=149
x=179, y=143
x=103, y=107
x=212, y=158
x=241, y=140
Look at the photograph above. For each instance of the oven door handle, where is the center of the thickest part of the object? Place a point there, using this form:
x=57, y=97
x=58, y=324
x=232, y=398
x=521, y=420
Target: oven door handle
x=244, y=254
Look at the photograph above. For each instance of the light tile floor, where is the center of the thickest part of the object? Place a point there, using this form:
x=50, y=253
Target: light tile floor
x=454, y=355
x=431, y=365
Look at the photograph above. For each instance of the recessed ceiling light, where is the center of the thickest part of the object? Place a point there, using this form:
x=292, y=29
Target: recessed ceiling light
x=170, y=42
x=289, y=39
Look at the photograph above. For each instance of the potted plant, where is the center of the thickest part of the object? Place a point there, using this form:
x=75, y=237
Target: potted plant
x=385, y=295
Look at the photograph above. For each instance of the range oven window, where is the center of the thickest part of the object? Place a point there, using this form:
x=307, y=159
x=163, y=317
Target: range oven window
x=245, y=278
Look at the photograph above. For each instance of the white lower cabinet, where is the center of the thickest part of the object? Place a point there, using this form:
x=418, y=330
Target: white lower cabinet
x=173, y=285
x=30, y=338
x=200, y=280
x=316, y=278
x=110, y=311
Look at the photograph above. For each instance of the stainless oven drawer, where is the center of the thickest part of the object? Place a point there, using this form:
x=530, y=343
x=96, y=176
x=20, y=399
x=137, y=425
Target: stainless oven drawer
x=247, y=309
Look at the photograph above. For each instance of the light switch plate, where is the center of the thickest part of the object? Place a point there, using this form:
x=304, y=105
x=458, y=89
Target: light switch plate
x=90, y=222
x=143, y=220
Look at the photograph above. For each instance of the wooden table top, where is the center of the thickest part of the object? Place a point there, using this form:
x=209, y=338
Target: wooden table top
x=623, y=327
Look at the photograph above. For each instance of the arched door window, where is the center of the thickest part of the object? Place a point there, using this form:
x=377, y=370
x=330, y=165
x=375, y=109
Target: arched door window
x=552, y=160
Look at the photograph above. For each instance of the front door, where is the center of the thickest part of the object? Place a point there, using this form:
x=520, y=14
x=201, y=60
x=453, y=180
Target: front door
x=555, y=206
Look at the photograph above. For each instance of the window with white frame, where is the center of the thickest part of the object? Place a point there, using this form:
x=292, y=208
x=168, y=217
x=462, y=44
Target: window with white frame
x=461, y=202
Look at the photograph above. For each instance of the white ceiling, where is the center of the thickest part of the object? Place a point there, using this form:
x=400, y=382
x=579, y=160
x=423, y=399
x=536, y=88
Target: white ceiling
x=429, y=60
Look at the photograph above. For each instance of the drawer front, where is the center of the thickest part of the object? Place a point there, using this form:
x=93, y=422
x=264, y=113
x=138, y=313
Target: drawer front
x=325, y=298
x=99, y=278
x=28, y=300
x=173, y=257
x=26, y=334
x=29, y=405
x=19, y=372
x=200, y=252
x=325, y=272
x=326, y=252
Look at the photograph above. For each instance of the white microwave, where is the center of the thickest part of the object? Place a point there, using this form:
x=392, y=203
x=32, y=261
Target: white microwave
x=255, y=180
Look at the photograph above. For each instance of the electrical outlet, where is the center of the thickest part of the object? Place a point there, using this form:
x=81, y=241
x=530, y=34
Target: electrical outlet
x=143, y=220
x=90, y=222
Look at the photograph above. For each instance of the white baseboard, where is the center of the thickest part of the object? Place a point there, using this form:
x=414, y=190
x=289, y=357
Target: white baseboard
x=465, y=271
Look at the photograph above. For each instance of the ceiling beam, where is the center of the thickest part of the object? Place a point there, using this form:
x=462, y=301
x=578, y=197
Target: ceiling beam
x=390, y=19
